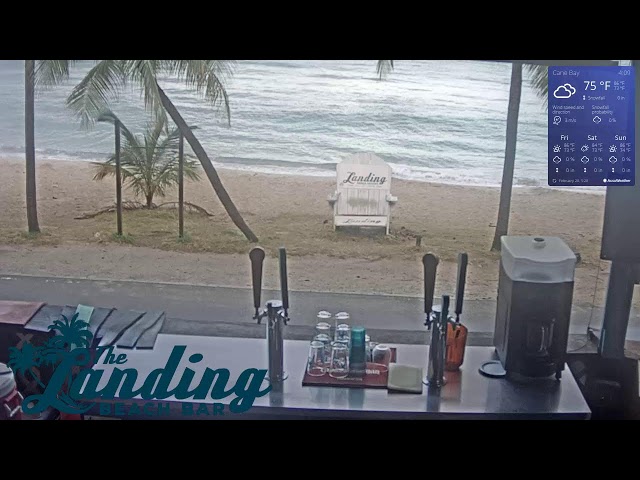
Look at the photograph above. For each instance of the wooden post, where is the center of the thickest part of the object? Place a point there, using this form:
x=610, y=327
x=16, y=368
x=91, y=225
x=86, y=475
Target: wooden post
x=118, y=180
x=181, y=187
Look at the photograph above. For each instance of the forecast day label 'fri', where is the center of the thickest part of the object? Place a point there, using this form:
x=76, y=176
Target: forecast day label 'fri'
x=591, y=126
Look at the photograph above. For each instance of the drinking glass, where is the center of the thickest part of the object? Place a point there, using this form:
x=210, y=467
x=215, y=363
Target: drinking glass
x=381, y=356
x=368, y=344
x=343, y=333
x=339, y=367
x=324, y=316
x=323, y=328
x=341, y=317
x=315, y=364
x=326, y=341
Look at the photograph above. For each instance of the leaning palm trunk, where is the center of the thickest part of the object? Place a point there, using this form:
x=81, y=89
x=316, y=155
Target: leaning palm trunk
x=208, y=167
x=502, y=226
x=30, y=153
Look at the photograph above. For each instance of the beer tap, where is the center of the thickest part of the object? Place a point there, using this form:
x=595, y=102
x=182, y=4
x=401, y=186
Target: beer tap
x=437, y=318
x=276, y=312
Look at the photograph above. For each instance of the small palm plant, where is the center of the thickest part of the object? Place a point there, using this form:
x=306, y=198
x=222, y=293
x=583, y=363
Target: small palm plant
x=149, y=162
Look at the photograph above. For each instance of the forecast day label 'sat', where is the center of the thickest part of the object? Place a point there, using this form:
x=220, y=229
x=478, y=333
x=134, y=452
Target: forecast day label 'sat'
x=591, y=126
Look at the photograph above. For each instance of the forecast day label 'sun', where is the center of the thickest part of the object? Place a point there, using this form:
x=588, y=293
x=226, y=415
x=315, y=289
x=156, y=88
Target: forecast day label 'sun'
x=591, y=126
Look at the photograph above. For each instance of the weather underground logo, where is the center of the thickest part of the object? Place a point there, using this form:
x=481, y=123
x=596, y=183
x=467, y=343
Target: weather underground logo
x=73, y=386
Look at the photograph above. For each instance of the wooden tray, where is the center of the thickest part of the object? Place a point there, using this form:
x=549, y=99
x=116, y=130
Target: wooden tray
x=372, y=379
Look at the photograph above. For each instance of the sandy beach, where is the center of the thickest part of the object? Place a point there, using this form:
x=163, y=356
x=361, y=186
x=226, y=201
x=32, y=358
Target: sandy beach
x=289, y=211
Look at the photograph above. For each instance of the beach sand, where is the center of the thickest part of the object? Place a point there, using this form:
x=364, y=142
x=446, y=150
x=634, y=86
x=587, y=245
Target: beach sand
x=289, y=211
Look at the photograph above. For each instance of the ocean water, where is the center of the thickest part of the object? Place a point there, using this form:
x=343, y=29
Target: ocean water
x=437, y=121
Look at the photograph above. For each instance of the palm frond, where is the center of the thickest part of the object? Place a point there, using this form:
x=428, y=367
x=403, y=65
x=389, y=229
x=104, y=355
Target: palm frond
x=91, y=97
x=109, y=117
x=145, y=74
x=539, y=77
x=384, y=68
x=49, y=73
x=207, y=77
x=169, y=145
x=152, y=136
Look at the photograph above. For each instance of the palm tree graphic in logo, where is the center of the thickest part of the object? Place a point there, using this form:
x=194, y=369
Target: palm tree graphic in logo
x=70, y=334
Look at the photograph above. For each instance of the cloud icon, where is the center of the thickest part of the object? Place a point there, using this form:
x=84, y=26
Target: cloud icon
x=564, y=91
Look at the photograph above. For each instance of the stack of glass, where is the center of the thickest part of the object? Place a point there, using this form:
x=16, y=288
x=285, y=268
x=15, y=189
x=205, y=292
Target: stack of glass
x=346, y=352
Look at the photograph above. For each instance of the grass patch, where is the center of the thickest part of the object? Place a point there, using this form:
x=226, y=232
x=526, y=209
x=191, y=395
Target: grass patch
x=31, y=235
x=124, y=238
x=20, y=237
x=300, y=235
x=186, y=238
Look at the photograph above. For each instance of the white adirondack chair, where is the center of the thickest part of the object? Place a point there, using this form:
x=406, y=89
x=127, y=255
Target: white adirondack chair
x=363, y=193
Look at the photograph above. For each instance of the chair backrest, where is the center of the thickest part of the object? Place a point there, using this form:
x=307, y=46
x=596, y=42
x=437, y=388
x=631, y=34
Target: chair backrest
x=363, y=182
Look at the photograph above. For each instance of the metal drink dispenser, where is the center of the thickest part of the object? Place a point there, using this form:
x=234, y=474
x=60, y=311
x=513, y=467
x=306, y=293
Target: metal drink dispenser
x=535, y=292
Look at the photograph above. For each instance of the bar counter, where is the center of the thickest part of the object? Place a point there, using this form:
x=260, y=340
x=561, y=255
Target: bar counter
x=467, y=394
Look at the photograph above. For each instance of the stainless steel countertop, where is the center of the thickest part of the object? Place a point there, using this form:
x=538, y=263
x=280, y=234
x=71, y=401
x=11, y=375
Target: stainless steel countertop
x=467, y=394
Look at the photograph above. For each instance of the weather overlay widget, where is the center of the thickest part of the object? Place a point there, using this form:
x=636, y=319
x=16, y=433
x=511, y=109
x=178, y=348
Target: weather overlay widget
x=591, y=126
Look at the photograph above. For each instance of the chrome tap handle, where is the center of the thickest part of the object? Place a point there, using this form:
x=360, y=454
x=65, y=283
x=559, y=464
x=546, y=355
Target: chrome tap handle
x=429, y=320
x=259, y=316
x=274, y=309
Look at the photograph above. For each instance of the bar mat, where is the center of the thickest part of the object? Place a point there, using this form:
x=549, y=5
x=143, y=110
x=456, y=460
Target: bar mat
x=373, y=378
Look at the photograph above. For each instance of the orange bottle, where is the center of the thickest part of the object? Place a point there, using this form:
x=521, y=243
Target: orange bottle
x=456, y=343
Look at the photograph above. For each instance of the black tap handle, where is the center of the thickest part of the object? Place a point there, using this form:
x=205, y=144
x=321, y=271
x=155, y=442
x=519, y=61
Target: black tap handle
x=284, y=286
x=463, y=259
x=430, y=262
x=256, y=255
x=444, y=315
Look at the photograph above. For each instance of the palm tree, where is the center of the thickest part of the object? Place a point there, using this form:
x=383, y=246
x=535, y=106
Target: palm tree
x=538, y=75
x=37, y=74
x=149, y=162
x=71, y=333
x=539, y=78
x=25, y=360
x=504, y=209
x=102, y=84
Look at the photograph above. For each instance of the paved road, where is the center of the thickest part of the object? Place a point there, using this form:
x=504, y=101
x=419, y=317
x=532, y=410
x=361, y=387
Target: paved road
x=234, y=305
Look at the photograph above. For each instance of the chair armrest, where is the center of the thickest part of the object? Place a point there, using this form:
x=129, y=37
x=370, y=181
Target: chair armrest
x=333, y=197
x=390, y=198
